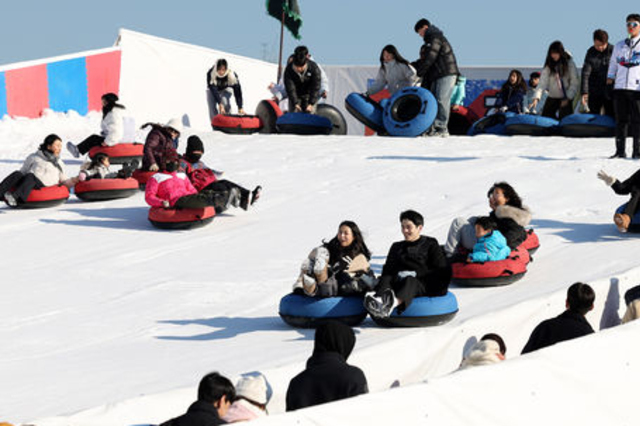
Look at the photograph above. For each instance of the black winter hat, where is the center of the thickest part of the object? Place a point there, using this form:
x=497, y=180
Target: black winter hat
x=334, y=336
x=194, y=144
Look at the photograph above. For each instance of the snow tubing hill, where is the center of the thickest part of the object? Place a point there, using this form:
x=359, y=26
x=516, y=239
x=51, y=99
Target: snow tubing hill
x=106, y=189
x=532, y=243
x=588, y=126
x=120, y=153
x=48, y=196
x=236, y=124
x=492, y=274
x=530, y=125
x=268, y=112
x=461, y=120
x=410, y=112
x=335, y=116
x=490, y=125
x=423, y=312
x=181, y=218
x=302, y=123
x=634, y=227
x=309, y=312
x=365, y=110
x=142, y=177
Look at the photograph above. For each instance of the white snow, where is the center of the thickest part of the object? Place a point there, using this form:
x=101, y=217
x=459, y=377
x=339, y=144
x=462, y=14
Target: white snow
x=106, y=320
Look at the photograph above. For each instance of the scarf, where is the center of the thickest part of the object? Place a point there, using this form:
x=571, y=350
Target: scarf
x=48, y=156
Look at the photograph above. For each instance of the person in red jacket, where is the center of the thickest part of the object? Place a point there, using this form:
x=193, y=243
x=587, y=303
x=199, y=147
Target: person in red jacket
x=205, y=179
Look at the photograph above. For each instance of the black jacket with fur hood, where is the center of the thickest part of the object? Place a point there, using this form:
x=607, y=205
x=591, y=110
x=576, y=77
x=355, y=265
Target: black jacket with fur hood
x=511, y=222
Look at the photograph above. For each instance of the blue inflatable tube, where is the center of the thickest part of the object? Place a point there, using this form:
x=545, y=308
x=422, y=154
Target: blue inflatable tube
x=410, y=112
x=490, y=125
x=423, y=312
x=301, y=123
x=530, y=125
x=634, y=227
x=365, y=110
x=309, y=312
x=588, y=126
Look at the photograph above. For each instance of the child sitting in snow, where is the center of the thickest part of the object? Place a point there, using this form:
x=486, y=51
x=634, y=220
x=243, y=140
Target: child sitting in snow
x=98, y=168
x=491, y=245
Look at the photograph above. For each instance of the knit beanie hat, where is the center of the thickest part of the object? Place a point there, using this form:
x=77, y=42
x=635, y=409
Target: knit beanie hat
x=254, y=388
x=194, y=144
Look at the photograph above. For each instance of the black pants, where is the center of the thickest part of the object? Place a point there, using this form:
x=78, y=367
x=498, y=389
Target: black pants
x=304, y=103
x=22, y=185
x=552, y=107
x=407, y=289
x=90, y=142
x=597, y=101
x=627, y=107
x=203, y=199
x=225, y=186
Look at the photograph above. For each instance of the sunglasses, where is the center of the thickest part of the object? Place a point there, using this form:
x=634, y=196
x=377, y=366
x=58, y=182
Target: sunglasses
x=632, y=24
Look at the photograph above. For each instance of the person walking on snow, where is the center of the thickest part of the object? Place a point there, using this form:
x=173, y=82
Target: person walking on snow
x=595, y=96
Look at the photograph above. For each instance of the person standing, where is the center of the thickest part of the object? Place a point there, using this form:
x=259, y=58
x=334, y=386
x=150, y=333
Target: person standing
x=624, y=75
x=439, y=71
x=594, y=75
x=395, y=72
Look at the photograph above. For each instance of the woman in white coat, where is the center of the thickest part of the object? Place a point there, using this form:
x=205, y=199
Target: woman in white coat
x=111, y=128
x=40, y=169
x=395, y=72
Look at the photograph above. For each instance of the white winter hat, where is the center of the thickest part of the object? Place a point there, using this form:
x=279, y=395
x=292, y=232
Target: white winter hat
x=484, y=352
x=175, y=124
x=254, y=388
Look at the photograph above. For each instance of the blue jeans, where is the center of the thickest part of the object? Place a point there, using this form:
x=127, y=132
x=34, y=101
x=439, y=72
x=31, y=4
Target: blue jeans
x=442, y=89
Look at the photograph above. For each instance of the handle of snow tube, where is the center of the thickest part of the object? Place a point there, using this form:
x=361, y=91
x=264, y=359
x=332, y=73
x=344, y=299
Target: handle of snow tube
x=508, y=272
x=530, y=231
x=402, y=126
x=424, y=107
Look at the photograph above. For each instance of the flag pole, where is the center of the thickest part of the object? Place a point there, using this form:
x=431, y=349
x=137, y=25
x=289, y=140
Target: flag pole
x=281, y=44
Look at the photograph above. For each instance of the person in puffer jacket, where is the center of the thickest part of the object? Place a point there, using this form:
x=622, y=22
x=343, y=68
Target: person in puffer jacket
x=624, y=75
x=491, y=246
x=161, y=141
x=595, y=95
x=111, y=127
x=395, y=72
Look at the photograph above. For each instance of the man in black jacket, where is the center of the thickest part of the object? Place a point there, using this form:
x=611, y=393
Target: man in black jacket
x=414, y=267
x=302, y=79
x=438, y=69
x=594, y=75
x=568, y=325
x=215, y=395
x=327, y=377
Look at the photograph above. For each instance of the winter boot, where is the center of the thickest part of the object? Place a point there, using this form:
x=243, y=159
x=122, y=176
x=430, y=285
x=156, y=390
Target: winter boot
x=255, y=194
x=636, y=149
x=620, y=148
x=73, y=150
x=622, y=221
x=309, y=285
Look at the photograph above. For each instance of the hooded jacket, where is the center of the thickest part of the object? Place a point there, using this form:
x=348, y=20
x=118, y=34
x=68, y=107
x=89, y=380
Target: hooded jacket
x=594, y=71
x=199, y=414
x=112, y=127
x=217, y=84
x=395, y=76
x=167, y=187
x=156, y=146
x=511, y=222
x=46, y=167
x=327, y=377
x=624, y=67
x=566, y=87
x=566, y=326
x=306, y=84
x=490, y=248
x=438, y=59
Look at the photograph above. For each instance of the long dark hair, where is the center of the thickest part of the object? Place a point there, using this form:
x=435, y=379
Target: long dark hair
x=48, y=141
x=97, y=160
x=391, y=49
x=513, y=199
x=111, y=101
x=520, y=83
x=358, y=246
x=562, y=65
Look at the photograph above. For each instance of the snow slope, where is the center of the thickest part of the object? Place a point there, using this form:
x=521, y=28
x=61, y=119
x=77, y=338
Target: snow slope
x=99, y=309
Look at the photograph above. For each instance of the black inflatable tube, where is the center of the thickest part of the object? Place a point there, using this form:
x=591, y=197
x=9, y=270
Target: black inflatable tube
x=308, y=322
x=40, y=204
x=364, y=120
x=107, y=194
x=182, y=225
x=334, y=115
x=400, y=321
x=587, y=131
x=487, y=282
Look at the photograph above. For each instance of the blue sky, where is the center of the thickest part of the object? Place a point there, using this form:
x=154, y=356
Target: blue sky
x=345, y=32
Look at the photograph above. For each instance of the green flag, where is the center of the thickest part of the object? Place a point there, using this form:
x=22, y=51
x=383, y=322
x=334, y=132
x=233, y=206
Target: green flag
x=292, y=17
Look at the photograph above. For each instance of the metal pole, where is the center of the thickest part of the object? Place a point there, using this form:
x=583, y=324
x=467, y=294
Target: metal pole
x=281, y=44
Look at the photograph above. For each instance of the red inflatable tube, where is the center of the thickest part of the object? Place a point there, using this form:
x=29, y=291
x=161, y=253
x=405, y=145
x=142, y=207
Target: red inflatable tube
x=460, y=120
x=142, y=177
x=120, y=153
x=236, y=124
x=490, y=274
x=268, y=112
x=48, y=196
x=106, y=189
x=180, y=218
x=532, y=243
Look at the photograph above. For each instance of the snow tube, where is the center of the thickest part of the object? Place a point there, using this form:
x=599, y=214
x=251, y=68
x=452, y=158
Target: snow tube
x=490, y=125
x=634, y=227
x=461, y=120
x=588, y=126
x=491, y=274
x=530, y=125
x=532, y=243
x=301, y=123
x=180, y=218
x=335, y=116
x=268, y=112
x=423, y=312
x=120, y=153
x=309, y=312
x=410, y=112
x=365, y=110
x=236, y=124
x=142, y=177
x=48, y=196
x=106, y=189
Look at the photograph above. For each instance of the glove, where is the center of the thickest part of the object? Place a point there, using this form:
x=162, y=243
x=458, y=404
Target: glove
x=405, y=274
x=608, y=180
x=82, y=176
x=154, y=168
x=165, y=204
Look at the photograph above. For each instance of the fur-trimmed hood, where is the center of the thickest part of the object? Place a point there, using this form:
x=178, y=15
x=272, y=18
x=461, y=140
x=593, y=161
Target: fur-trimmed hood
x=230, y=76
x=521, y=216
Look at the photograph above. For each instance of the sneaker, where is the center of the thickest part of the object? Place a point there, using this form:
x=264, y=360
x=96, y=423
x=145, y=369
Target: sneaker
x=73, y=150
x=10, y=199
x=309, y=285
x=619, y=155
x=373, y=305
x=255, y=194
x=621, y=220
x=388, y=302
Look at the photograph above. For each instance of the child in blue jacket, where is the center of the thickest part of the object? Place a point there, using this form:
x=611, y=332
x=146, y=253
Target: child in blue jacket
x=491, y=245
